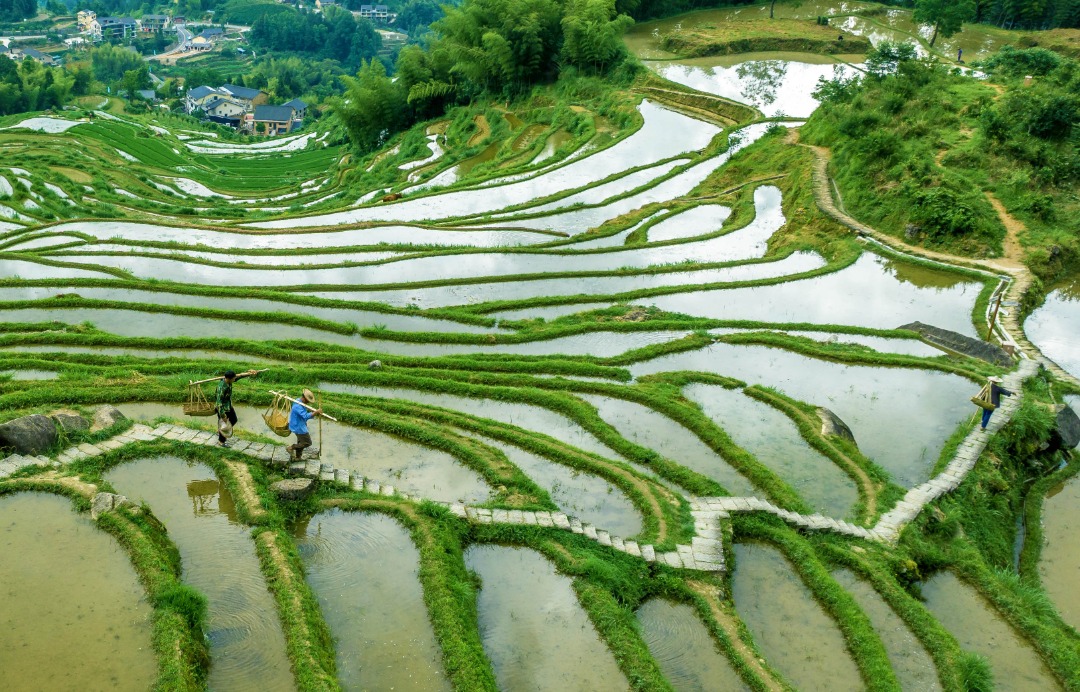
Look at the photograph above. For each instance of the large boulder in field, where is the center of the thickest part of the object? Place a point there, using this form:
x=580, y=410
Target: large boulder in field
x=31, y=435
x=106, y=416
x=1066, y=427
x=69, y=421
x=832, y=424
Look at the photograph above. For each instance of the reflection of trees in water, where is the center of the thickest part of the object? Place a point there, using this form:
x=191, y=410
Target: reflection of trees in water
x=209, y=497
x=761, y=79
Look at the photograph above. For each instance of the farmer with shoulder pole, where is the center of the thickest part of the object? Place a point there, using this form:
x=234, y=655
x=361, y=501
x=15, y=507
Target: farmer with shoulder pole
x=991, y=395
x=301, y=413
x=225, y=410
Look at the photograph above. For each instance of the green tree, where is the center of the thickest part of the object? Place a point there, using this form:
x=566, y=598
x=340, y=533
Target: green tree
x=592, y=34
x=946, y=16
x=373, y=106
x=135, y=80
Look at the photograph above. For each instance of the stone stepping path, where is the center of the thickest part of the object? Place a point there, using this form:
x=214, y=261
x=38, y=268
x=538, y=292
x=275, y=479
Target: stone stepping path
x=705, y=552
x=890, y=524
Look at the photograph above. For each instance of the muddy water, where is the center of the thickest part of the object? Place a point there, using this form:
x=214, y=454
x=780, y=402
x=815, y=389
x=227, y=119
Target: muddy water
x=684, y=649
x=1059, y=561
x=583, y=495
x=780, y=85
x=71, y=606
x=650, y=429
x=363, y=568
x=890, y=294
x=773, y=438
x=796, y=635
x=361, y=318
x=533, y=628
x=980, y=629
x=977, y=41
x=552, y=144
x=469, y=294
x=460, y=171
x=900, y=417
x=912, y=664
x=649, y=144
x=877, y=33
x=534, y=418
x=247, y=647
x=1055, y=327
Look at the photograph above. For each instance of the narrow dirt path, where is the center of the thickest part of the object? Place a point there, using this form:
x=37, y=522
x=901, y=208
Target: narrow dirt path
x=1014, y=252
x=483, y=131
x=727, y=623
x=1011, y=266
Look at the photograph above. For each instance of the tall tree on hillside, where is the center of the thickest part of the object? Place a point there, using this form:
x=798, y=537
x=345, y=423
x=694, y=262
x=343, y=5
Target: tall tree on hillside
x=946, y=16
x=373, y=106
x=592, y=34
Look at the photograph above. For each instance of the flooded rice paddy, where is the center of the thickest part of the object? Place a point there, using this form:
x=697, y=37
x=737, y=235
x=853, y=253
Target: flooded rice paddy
x=975, y=624
x=603, y=225
x=684, y=649
x=790, y=627
x=247, y=646
x=364, y=570
x=533, y=628
x=1059, y=561
x=72, y=609
x=1055, y=326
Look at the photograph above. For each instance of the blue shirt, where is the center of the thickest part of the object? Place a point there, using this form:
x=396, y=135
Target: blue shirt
x=298, y=419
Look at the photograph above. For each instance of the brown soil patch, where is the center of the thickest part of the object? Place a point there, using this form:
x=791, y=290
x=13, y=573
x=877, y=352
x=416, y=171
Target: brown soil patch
x=1013, y=250
x=73, y=174
x=637, y=314
x=727, y=624
x=246, y=484
x=483, y=130
x=438, y=128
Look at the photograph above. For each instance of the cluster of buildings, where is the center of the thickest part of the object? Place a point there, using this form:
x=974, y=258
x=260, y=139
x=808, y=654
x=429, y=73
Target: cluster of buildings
x=245, y=109
x=16, y=53
x=102, y=28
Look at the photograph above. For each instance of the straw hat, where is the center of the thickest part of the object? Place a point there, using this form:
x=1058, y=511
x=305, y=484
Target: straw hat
x=995, y=378
x=308, y=395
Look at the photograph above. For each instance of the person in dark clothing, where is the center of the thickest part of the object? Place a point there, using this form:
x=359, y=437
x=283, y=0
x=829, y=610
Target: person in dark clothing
x=996, y=390
x=225, y=408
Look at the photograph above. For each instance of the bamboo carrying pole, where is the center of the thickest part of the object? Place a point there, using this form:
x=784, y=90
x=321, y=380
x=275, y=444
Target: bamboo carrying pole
x=222, y=377
x=309, y=408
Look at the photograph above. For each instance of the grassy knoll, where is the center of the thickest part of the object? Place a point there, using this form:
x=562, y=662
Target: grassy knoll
x=924, y=153
x=742, y=36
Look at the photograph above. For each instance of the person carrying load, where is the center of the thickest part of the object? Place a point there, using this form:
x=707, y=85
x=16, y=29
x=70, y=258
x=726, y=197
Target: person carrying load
x=223, y=405
x=989, y=398
x=298, y=419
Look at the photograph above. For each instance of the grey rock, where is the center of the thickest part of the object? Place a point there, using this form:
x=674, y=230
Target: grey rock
x=293, y=488
x=375, y=365
x=1066, y=427
x=29, y=435
x=912, y=232
x=106, y=416
x=952, y=341
x=831, y=424
x=69, y=422
x=107, y=502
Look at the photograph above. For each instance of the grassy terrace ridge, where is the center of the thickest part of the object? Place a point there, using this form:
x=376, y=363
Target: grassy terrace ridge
x=969, y=532
x=742, y=36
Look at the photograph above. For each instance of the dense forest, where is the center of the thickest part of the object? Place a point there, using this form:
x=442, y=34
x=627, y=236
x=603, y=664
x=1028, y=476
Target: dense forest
x=334, y=34
x=16, y=10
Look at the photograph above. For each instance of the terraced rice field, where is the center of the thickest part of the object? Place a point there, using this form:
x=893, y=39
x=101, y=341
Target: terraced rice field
x=604, y=328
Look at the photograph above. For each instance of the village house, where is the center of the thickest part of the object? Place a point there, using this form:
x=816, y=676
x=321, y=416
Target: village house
x=299, y=110
x=228, y=101
x=375, y=13
x=153, y=23
x=105, y=28
x=323, y=4
x=17, y=53
x=272, y=120
x=84, y=19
